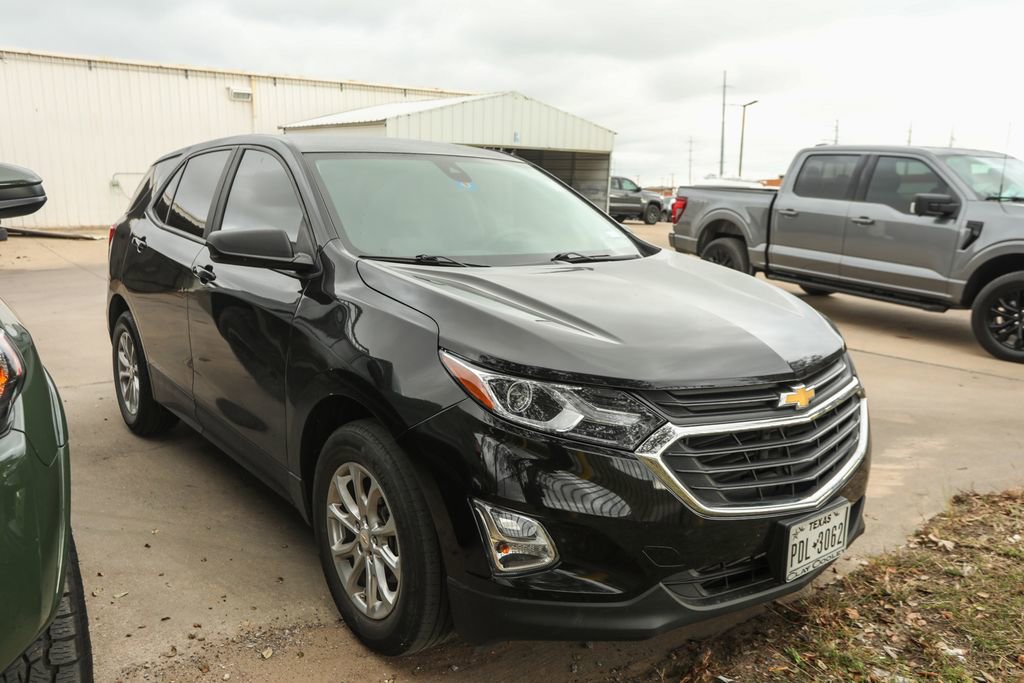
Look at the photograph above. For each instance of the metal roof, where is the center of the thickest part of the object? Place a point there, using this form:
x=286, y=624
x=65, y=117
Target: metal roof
x=383, y=112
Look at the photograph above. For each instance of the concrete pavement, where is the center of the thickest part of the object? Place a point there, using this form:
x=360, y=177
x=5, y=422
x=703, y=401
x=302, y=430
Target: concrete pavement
x=172, y=533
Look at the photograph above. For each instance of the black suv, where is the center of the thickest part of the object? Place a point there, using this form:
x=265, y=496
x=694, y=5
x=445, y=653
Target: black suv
x=496, y=406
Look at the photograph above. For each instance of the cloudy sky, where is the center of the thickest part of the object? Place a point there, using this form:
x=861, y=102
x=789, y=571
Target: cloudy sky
x=650, y=71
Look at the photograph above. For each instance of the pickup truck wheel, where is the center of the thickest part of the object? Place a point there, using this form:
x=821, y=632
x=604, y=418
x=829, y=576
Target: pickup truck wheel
x=651, y=214
x=997, y=317
x=728, y=252
x=814, y=291
x=665, y=215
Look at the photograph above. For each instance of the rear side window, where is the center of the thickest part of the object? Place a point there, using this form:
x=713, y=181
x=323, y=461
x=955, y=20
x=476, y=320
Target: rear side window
x=163, y=202
x=194, y=195
x=896, y=180
x=827, y=176
x=154, y=178
x=262, y=196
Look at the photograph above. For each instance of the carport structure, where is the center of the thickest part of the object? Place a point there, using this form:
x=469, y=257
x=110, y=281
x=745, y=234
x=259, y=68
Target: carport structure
x=571, y=148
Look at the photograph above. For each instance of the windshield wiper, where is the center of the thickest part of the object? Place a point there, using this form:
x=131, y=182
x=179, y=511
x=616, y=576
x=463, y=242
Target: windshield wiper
x=1004, y=198
x=427, y=260
x=576, y=257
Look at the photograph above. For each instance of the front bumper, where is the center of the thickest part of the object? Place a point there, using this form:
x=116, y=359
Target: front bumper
x=34, y=515
x=633, y=560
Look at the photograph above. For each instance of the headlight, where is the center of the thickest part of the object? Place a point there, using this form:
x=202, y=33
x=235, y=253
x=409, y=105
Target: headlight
x=12, y=371
x=603, y=416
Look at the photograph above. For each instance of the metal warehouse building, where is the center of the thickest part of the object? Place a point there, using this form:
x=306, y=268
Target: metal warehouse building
x=91, y=127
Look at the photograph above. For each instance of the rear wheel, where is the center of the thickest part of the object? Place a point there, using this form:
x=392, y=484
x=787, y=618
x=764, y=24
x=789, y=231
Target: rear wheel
x=651, y=214
x=729, y=252
x=997, y=317
x=139, y=409
x=63, y=652
x=377, y=543
x=815, y=291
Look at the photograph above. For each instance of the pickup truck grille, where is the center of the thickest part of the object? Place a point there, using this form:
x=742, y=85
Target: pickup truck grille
x=770, y=465
x=702, y=406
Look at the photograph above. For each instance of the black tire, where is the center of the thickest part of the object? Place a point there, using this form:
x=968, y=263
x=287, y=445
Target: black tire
x=420, y=617
x=619, y=219
x=997, y=317
x=729, y=252
x=651, y=214
x=814, y=291
x=150, y=418
x=63, y=652
x=666, y=215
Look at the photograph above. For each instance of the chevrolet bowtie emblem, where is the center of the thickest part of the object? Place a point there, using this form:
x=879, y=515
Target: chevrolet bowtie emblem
x=799, y=398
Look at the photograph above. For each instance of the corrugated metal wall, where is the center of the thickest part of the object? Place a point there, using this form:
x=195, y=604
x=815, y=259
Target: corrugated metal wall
x=91, y=128
x=509, y=120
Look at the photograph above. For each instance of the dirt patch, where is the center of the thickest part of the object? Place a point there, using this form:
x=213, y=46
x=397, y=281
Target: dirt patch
x=949, y=606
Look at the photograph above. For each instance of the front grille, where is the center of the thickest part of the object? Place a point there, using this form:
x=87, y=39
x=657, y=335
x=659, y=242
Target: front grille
x=718, y=404
x=724, y=579
x=769, y=465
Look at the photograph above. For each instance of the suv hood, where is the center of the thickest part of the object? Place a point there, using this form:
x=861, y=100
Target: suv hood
x=666, y=320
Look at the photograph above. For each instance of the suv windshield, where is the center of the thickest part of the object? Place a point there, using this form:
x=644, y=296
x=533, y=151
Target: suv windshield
x=990, y=176
x=481, y=211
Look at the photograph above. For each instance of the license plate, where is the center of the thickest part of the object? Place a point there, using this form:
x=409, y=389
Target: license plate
x=817, y=540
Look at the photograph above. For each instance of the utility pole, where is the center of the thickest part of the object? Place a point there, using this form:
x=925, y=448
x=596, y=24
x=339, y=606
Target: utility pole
x=689, y=168
x=835, y=137
x=910, y=134
x=743, y=131
x=952, y=137
x=721, y=145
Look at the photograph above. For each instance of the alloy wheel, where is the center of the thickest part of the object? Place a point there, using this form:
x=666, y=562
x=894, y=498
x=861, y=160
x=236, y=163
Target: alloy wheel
x=128, y=372
x=720, y=256
x=1006, y=318
x=363, y=540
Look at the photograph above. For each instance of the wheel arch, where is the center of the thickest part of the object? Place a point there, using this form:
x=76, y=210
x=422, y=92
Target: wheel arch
x=720, y=225
x=988, y=271
x=118, y=305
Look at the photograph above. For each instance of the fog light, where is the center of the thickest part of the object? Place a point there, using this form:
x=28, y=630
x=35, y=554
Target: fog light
x=516, y=542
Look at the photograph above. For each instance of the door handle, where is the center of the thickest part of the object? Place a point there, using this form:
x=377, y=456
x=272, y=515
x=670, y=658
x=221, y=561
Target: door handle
x=863, y=220
x=139, y=242
x=204, y=273
x=789, y=213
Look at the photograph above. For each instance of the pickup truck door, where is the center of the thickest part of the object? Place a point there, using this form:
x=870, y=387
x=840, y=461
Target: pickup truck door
x=886, y=244
x=809, y=217
x=632, y=197
x=616, y=198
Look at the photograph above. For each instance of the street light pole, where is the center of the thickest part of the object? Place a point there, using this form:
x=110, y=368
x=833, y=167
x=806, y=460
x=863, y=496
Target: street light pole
x=721, y=144
x=743, y=132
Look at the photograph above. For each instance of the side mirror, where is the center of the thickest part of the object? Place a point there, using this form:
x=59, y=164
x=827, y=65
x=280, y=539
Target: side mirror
x=259, y=248
x=941, y=205
x=21, y=191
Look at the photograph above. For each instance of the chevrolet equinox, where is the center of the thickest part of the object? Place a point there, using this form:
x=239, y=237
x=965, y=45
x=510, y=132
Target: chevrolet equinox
x=499, y=410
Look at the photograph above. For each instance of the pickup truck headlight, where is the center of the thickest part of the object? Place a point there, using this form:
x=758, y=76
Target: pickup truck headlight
x=603, y=416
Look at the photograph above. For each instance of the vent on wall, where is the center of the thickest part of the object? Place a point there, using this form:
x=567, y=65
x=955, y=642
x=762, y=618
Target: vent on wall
x=240, y=94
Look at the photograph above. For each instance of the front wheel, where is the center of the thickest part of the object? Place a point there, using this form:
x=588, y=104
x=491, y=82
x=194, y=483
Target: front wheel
x=729, y=252
x=377, y=543
x=651, y=214
x=997, y=317
x=63, y=652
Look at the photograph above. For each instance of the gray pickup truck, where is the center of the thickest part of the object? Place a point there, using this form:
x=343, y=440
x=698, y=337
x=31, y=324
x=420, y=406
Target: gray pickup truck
x=626, y=199
x=934, y=228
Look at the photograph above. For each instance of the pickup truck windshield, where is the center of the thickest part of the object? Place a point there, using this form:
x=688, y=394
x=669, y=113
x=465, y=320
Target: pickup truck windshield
x=992, y=177
x=482, y=211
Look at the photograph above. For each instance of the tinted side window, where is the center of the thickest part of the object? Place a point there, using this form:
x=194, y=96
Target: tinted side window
x=827, y=176
x=896, y=180
x=195, y=192
x=163, y=203
x=262, y=196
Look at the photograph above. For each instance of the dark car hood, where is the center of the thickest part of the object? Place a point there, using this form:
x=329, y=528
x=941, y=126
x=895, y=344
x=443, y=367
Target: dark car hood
x=661, y=321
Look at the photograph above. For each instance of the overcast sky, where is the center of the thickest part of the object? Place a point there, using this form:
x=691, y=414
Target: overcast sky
x=650, y=71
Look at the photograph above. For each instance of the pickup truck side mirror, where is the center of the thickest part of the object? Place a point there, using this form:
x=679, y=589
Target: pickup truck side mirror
x=259, y=248
x=940, y=205
x=21, y=191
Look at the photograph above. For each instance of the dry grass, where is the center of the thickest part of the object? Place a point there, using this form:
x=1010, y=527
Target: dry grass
x=947, y=607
